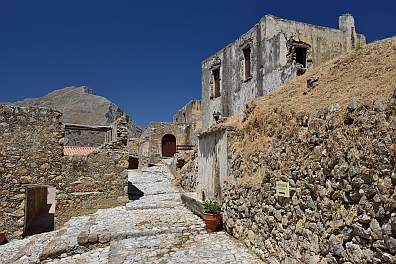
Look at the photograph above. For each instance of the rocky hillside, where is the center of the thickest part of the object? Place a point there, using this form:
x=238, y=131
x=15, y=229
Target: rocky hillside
x=80, y=105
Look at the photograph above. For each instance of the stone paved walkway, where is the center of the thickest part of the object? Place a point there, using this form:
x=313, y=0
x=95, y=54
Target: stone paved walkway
x=157, y=228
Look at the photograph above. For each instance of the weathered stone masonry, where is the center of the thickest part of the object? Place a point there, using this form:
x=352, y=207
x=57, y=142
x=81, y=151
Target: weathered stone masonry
x=186, y=125
x=341, y=166
x=272, y=52
x=31, y=152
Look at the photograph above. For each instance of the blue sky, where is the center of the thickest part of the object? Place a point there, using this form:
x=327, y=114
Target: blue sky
x=144, y=55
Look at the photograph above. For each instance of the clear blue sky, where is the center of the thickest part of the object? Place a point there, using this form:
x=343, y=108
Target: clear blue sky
x=144, y=55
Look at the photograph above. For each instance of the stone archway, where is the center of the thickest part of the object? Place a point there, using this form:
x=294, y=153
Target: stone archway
x=168, y=144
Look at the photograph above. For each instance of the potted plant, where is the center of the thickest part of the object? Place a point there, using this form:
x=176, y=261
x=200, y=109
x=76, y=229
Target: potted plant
x=211, y=215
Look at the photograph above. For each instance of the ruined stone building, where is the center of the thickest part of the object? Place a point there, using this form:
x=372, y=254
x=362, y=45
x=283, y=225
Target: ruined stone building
x=164, y=139
x=44, y=183
x=190, y=116
x=274, y=51
x=86, y=135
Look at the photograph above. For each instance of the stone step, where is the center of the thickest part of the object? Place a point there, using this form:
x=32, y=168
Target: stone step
x=156, y=189
x=155, y=201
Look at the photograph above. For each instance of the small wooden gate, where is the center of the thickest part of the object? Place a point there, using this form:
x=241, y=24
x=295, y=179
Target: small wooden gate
x=168, y=145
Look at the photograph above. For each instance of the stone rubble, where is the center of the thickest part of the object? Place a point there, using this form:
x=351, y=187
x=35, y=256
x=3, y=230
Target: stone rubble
x=157, y=228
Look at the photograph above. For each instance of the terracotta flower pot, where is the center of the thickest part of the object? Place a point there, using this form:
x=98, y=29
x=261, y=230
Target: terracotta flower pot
x=212, y=221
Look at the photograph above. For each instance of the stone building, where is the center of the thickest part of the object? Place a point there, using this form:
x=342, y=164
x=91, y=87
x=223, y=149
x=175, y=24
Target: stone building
x=40, y=187
x=189, y=114
x=79, y=135
x=274, y=51
x=164, y=139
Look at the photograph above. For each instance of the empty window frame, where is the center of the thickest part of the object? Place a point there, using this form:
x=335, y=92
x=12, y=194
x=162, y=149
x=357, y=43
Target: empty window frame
x=301, y=55
x=247, y=62
x=216, y=82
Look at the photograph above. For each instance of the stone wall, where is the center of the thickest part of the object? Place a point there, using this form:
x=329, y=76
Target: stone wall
x=84, y=138
x=272, y=43
x=150, y=150
x=133, y=147
x=184, y=168
x=91, y=182
x=189, y=114
x=212, y=164
x=30, y=152
x=191, y=117
x=341, y=168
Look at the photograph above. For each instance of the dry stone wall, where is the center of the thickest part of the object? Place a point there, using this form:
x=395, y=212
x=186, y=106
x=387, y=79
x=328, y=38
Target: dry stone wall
x=340, y=165
x=184, y=168
x=91, y=182
x=150, y=149
x=31, y=152
x=84, y=138
x=98, y=180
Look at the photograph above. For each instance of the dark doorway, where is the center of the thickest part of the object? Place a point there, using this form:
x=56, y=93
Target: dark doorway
x=168, y=145
x=38, y=218
x=301, y=56
x=133, y=163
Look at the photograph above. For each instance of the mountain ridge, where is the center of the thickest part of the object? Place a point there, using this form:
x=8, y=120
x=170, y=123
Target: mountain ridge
x=81, y=105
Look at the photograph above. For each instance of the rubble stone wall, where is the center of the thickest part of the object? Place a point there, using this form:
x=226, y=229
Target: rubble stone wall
x=189, y=114
x=31, y=152
x=341, y=168
x=91, y=182
x=98, y=180
x=184, y=168
x=84, y=138
x=133, y=147
x=150, y=150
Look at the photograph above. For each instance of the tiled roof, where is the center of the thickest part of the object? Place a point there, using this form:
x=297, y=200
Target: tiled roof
x=71, y=150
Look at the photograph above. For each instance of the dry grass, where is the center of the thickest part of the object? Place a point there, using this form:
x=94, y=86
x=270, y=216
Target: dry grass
x=368, y=73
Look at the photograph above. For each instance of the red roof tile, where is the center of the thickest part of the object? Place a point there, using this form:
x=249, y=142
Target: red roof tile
x=71, y=150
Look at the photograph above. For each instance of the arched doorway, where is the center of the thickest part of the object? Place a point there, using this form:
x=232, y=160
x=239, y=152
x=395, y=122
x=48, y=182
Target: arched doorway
x=168, y=145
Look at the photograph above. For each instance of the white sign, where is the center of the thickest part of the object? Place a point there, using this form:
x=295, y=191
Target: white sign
x=282, y=189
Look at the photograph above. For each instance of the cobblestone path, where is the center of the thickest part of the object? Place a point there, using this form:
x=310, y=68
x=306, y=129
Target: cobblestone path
x=157, y=228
